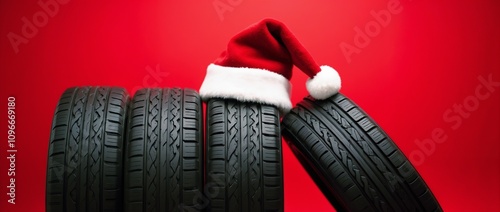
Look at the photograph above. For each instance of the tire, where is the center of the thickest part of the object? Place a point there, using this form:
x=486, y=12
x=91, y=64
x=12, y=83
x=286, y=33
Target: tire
x=243, y=157
x=164, y=151
x=84, y=169
x=355, y=164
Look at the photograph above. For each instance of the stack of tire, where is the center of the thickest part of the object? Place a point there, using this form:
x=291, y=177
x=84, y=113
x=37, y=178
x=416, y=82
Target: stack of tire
x=155, y=152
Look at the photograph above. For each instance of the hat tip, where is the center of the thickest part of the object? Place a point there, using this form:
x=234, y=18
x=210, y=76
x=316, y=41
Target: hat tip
x=324, y=84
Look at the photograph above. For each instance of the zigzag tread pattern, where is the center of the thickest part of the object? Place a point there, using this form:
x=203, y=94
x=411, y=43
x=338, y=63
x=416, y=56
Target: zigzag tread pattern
x=175, y=150
x=79, y=164
x=243, y=145
x=72, y=164
x=161, y=142
x=152, y=145
x=255, y=188
x=95, y=150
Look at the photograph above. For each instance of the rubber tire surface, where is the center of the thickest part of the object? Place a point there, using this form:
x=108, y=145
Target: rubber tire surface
x=355, y=164
x=84, y=169
x=164, y=151
x=243, y=157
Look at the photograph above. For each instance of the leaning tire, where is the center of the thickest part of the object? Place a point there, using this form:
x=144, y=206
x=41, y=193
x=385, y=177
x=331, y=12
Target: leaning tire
x=84, y=170
x=356, y=165
x=243, y=157
x=163, y=160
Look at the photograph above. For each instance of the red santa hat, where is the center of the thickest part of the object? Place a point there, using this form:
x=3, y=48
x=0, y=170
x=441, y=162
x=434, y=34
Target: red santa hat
x=257, y=67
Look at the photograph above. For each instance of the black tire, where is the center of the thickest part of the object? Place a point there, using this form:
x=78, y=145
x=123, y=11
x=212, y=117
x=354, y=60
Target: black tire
x=164, y=151
x=355, y=164
x=243, y=157
x=84, y=169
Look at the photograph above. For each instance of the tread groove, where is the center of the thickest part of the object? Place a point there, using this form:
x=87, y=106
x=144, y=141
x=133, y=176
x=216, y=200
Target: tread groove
x=89, y=178
x=165, y=163
x=367, y=144
x=239, y=148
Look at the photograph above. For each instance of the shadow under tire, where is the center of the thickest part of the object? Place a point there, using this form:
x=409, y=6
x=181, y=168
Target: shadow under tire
x=355, y=164
x=164, y=151
x=84, y=168
x=244, y=169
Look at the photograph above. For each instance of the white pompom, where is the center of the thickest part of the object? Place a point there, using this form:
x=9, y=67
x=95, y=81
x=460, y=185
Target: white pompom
x=325, y=84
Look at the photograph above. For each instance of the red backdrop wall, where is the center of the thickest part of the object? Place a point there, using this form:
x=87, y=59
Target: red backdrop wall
x=414, y=66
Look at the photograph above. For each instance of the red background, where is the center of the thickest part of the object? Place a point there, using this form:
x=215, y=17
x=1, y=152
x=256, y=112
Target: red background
x=427, y=59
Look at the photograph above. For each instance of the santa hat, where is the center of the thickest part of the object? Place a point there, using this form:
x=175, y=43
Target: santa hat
x=257, y=66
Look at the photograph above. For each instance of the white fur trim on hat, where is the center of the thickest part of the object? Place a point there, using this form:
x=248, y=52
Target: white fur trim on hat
x=326, y=83
x=247, y=85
